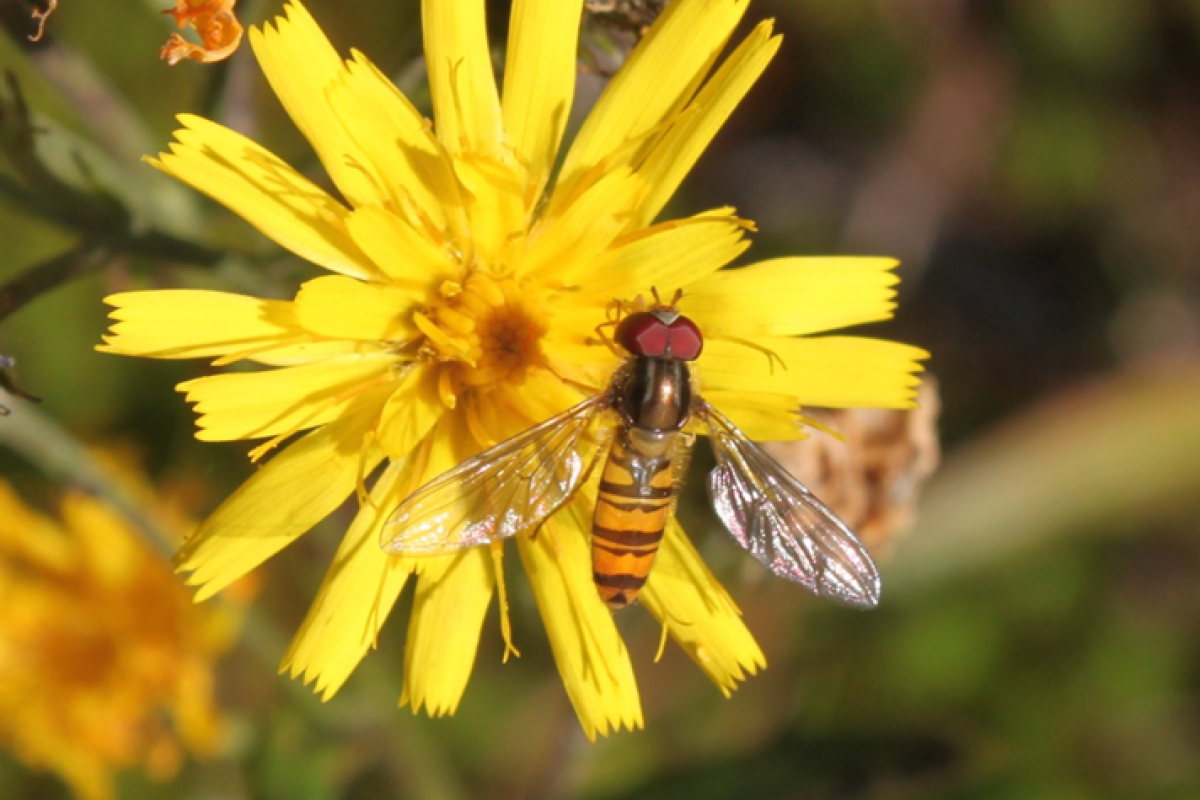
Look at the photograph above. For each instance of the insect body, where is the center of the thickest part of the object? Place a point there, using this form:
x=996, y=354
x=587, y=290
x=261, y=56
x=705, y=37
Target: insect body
x=517, y=484
x=653, y=398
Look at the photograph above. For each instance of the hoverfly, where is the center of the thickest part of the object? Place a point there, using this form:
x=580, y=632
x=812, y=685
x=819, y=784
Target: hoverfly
x=514, y=486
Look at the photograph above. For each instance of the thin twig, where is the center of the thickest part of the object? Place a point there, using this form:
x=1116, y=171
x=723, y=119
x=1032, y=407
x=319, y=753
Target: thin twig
x=51, y=273
x=89, y=256
x=9, y=384
x=168, y=247
x=40, y=15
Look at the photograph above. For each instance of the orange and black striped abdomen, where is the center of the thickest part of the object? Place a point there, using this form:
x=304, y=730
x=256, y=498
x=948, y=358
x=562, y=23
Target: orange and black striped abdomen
x=636, y=491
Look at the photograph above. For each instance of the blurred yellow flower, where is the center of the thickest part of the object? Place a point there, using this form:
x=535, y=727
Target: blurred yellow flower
x=469, y=278
x=105, y=662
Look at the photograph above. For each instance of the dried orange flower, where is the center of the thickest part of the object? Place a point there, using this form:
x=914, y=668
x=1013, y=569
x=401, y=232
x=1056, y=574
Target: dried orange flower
x=873, y=478
x=220, y=32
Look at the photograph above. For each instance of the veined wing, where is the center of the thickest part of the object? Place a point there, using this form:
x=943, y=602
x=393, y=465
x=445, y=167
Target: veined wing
x=500, y=492
x=781, y=523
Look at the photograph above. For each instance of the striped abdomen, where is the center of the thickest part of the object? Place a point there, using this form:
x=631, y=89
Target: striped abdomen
x=636, y=491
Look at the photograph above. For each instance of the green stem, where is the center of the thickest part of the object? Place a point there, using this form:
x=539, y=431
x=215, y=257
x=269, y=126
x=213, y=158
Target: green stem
x=59, y=455
x=165, y=246
x=47, y=275
x=90, y=256
x=1099, y=458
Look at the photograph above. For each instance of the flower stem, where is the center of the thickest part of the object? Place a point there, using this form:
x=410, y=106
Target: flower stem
x=53, y=272
x=58, y=454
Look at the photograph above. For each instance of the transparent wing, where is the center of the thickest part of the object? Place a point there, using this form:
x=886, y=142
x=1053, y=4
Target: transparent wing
x=781, y=523
x=500, y=492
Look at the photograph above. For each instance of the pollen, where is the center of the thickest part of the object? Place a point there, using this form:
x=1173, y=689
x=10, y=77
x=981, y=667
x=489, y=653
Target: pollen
x=487, y=332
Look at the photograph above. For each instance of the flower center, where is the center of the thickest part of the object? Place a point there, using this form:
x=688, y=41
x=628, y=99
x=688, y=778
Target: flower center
x=487, y=332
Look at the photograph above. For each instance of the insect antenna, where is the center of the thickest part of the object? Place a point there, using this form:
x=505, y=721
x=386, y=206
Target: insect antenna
x=658, y=303
x=772, y=356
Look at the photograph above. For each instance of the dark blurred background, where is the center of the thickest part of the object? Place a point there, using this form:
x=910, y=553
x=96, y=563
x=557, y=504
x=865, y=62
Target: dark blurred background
x=1036, y=166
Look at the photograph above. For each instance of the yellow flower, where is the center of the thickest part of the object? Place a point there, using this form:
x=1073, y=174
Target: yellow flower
x=100, y=647
x=470, y=276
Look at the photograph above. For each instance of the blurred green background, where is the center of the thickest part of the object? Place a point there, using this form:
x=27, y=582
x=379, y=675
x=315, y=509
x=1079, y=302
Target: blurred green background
x=1036, y=165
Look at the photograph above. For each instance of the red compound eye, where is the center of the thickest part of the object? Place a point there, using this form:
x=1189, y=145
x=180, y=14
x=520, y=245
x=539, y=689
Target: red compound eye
x=686, y=341
x=644, y=334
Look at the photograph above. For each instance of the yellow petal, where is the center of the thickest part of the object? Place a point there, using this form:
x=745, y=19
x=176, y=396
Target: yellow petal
x=26, y=536
x=459, y=62
x=579, y=229
x=579, y=356
x=587, y=647
x=834, y=371
x=103, y=539
x=676, y=153
x=453, y=593
x=345, y=308
x=247, y=405
x=762, y=417
x=496, y=207
x=308, y=352
x=539, y=80
x=260, y=188
x=363, y=582
x=670, y=256
x=297, y=489
x=660, y=76
x=183, y=323
x=514, y=408
x=411, y=412
x=407, y=256
x=358, y=592
x=699, y=614
x=443, y=634
x=792, y=296
x=302, y=68
x=447, y=445
x=417, y=175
